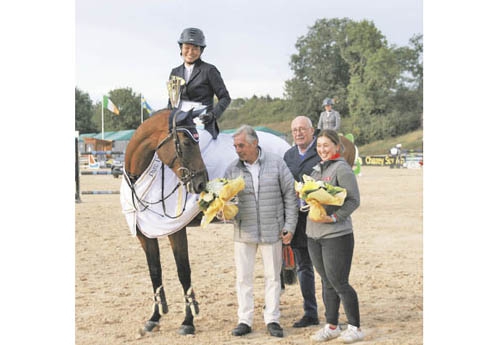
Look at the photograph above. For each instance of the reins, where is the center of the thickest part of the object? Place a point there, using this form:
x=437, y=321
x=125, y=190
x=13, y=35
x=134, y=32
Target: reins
x=186, y=174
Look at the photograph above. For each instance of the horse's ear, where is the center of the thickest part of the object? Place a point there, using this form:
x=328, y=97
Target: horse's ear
x=181, y=117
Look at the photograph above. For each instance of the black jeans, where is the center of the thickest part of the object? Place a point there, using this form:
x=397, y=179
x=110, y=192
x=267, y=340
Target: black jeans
x=332, y=258
x=305, y=274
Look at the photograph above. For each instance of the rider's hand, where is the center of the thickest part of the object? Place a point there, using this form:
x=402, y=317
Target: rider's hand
x=207, y=118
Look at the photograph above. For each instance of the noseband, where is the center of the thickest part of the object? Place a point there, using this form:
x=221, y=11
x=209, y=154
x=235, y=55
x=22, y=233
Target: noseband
x=185, y=174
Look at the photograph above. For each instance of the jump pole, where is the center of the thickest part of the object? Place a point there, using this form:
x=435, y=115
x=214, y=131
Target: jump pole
x=77, y=170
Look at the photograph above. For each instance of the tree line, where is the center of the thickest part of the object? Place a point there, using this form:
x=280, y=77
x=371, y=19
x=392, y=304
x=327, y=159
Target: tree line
x=377, y=87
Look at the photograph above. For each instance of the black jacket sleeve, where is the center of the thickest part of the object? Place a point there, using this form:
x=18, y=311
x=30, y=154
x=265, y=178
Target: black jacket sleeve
x=205, y=83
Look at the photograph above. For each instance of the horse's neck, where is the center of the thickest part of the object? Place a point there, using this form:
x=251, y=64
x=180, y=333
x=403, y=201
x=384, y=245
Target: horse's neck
x=142, y=147
x=139, y=157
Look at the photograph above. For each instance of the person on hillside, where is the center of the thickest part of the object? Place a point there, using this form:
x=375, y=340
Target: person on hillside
x=329, y=119
x=267, y=210
x=300, y=159
x=330, y=241
x=203, y=80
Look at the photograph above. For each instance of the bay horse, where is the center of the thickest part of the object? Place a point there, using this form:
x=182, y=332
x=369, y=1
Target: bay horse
x=348, y=150
x=171, y=136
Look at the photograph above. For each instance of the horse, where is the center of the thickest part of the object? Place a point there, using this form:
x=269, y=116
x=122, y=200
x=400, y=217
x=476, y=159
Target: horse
x=347, y=150
x=171, y=136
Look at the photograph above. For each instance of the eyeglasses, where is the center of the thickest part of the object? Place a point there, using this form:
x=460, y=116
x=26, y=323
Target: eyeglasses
x=300, y=129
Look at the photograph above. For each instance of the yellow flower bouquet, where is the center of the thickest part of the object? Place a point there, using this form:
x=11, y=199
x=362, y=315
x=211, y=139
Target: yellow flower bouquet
x=216, y=198
x=319, y=193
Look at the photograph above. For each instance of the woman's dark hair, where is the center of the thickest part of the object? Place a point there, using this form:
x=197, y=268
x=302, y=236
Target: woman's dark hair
x=330, y=134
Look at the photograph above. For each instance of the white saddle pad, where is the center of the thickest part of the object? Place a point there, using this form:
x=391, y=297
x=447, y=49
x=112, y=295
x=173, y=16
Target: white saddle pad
x=150, y=216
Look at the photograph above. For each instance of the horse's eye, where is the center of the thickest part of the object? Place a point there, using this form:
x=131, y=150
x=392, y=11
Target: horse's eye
x=187, y=142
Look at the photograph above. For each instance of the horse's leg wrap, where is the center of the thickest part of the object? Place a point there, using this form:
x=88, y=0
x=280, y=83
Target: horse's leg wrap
x=187, y=326
x=159, y=306
x=191, y=301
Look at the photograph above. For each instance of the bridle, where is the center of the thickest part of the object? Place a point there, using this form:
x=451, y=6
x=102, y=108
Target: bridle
x=186, y=175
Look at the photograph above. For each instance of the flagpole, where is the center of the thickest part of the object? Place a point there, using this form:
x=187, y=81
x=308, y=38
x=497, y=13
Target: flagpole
x=102, y=119
x=142, y=114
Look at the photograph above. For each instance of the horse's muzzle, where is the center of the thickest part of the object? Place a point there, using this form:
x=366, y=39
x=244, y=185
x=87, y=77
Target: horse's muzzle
x=194, y=181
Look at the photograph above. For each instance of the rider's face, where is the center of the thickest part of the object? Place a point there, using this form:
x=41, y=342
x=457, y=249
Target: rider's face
x=190, y=53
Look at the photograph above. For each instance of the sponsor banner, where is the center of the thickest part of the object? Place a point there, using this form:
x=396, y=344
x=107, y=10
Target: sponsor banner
x=389, y=160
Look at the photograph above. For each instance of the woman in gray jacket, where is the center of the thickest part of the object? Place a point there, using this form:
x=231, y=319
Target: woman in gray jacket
x=331, y=242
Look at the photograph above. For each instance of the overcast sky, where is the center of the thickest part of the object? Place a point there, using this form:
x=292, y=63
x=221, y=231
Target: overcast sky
x=130, y=43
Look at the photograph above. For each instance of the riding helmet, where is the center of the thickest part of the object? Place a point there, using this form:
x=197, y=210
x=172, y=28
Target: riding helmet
x=327, y=101
x=192, y=36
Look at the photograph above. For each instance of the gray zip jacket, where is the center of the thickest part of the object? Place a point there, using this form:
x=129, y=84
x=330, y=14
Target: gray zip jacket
x=261, y=221
x=336, y=172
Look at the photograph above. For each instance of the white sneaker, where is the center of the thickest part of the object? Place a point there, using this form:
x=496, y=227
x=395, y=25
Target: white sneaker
x=326, y=333
x=352, y=334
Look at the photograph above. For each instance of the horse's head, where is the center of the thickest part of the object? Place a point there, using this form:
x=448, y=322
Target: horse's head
x=181, y=151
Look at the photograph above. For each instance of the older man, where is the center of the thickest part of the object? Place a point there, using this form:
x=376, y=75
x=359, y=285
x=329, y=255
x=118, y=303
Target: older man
x=267, y=209
x=300, y=159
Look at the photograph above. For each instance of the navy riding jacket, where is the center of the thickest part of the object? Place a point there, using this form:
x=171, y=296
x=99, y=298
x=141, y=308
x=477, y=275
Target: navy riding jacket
x=204, y=83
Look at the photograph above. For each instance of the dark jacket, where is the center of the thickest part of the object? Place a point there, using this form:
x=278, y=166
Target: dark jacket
x=299, y=167
x=204, y=83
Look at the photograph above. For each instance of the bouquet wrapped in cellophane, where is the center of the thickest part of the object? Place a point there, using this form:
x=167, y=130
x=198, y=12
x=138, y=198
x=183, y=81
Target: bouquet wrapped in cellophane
x=216, y=198
x=319, y=193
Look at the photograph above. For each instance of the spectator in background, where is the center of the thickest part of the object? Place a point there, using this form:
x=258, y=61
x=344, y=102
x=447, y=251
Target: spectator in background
x=329, y=119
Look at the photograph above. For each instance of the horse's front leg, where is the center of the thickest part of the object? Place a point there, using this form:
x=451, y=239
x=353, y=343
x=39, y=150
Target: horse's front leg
x=179, y=245
x=160, y=307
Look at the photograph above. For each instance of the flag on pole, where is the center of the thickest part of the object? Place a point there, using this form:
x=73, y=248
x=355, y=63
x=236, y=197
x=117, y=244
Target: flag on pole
x=146, y=106
x=110, y=105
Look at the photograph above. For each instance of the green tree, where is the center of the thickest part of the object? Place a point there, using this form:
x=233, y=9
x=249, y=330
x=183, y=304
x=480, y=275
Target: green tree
x=411, y=58
x=256, y=111
x=370, y=81
x=129, y=104
x=83, y=112
x=319, y=69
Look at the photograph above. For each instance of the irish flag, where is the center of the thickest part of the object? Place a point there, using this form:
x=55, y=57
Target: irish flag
x=109, y=105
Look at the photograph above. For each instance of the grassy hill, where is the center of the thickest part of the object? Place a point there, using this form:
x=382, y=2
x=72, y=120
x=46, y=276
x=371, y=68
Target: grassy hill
x=409, y=141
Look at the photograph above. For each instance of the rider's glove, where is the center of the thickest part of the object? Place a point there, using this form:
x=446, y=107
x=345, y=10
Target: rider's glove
x=207, y=118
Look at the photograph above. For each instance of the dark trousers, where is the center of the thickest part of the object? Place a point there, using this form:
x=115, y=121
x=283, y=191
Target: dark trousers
x=305, y=275
x=332, y=258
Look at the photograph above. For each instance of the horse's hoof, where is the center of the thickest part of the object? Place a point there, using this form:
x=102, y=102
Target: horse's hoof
x=186, y=330
x=149, y=327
